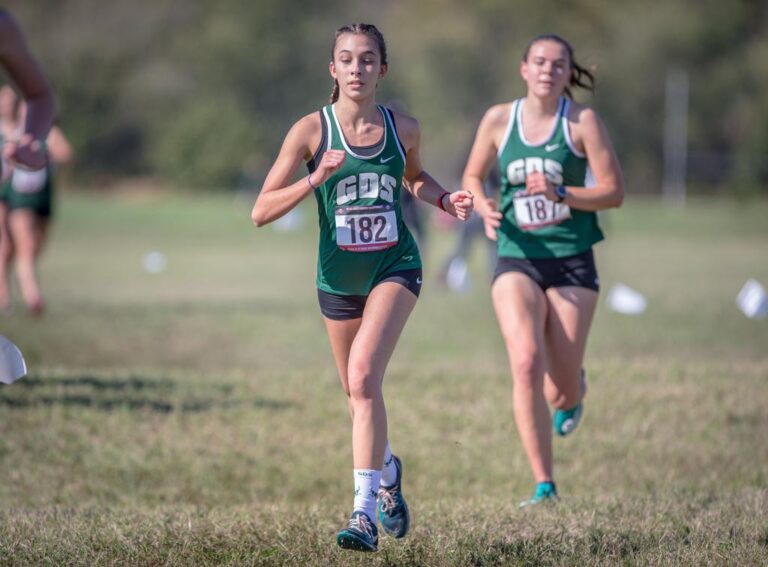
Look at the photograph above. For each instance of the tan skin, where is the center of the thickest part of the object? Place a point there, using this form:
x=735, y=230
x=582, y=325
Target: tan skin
x=361, y=347
x=23, y=232
x=26, y=151
x=26, y=73
x=545, y=333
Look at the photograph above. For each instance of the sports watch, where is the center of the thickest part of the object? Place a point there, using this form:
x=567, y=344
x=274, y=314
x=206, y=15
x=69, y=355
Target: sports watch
x=561, y=193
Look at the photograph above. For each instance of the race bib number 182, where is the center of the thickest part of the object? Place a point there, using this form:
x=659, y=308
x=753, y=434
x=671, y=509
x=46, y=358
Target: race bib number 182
x=366, y=228
x=536, y=211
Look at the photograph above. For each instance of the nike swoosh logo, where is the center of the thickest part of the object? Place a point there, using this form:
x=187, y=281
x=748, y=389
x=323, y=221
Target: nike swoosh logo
x=551, y=147
x=407, y=258
x=418, y=281
x=385, y=160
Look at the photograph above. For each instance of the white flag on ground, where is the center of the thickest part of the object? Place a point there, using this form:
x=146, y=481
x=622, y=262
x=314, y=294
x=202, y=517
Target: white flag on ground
x=752, y=300
x=624, y=299
x=12, y=365
x=154, y=262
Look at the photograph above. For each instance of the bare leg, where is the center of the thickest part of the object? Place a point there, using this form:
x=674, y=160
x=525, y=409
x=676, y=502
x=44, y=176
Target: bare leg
x=341, y=334
x=568, y=322
x=6, y=256
x=521, y=309
x=386, y=313
x=27, y=237
x=362, y=349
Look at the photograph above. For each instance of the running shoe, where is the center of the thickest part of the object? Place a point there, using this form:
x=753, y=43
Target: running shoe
x=565, y=421
x=391, y=507
x=360, y=534
x=545, y=492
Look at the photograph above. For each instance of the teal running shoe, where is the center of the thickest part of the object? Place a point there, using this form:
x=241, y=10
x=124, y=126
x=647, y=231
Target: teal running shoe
x=391, y=507
x=565, y=421
x=360, y=534
x=545, y=492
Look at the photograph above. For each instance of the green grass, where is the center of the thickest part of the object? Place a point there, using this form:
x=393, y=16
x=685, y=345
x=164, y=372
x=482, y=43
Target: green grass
x=194, y=416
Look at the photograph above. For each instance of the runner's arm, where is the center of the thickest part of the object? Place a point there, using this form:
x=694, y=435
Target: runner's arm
x=482, y=156
x=608, y=189
x=26, y=73
x=422, y=184
x=278, y=195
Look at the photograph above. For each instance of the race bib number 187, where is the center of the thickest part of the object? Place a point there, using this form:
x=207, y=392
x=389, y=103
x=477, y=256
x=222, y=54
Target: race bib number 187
x=536, y=211
x=366, y=228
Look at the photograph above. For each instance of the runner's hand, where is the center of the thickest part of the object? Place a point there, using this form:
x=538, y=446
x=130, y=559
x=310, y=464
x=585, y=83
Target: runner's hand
x=491, y=218
x=27, y=152
x=536, y=183
x=332, y=160
x=460, y=204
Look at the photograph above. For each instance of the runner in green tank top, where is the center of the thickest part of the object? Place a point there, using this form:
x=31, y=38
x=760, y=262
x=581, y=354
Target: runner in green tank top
x=369, y=270
x=558, y=168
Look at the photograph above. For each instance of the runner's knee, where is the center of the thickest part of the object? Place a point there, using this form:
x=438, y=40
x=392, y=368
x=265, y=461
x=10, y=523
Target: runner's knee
x=362, y=383
x=528, y=368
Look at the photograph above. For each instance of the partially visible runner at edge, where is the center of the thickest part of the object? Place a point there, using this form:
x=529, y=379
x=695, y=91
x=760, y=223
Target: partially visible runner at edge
x=26, y=151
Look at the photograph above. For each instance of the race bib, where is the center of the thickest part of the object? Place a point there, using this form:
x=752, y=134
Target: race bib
x=25, y=180
x=366, y=228
x=536, y=211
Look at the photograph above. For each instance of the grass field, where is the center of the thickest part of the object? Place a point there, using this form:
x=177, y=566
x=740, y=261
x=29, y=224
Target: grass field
x=194, y=417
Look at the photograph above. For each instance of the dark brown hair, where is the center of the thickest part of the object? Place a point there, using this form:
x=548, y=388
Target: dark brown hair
x=365, y=29
x=580, y=76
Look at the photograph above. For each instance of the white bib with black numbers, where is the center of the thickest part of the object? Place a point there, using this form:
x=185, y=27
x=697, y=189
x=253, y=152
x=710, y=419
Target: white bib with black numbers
x=536, y=211
x=366, y=228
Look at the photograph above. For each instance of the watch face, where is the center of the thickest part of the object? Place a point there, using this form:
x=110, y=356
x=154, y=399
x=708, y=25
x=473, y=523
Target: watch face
x=561, y=192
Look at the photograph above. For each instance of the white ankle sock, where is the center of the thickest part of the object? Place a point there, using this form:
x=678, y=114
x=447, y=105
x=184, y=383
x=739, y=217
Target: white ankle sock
x=389, y=471
x=366, y=486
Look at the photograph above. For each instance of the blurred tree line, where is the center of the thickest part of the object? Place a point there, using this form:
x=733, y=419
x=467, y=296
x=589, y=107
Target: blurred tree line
x=200, y=93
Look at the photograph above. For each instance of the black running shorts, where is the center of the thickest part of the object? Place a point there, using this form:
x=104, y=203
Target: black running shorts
x=344, y=307
x=577, y=271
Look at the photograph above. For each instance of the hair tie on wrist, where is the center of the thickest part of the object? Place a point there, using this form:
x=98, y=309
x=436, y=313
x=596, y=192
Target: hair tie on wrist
x=309, y=180
x=440, y=200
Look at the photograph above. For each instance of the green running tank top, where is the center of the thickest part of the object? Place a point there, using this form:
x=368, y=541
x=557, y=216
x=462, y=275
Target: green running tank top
x=363, y=237
x=534, y=227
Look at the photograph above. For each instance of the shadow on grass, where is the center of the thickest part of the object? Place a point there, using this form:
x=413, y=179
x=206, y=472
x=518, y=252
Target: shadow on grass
x=136, y=394
x=98, y=383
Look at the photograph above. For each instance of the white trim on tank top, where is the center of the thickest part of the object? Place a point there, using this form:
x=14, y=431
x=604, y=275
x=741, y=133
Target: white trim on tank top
x=394, y=131
x=344, y=140
x=519, y=118
x=328, y=130
x=567, y=131
x=510, y=124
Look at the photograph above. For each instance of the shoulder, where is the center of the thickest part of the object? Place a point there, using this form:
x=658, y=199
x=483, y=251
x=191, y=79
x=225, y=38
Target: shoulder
x=304, y=136
x=307, y=125
x=493, y=125
x=587, y=129
x=583, y=118
x=408, y=129
x=498, y=115
x=306, y=131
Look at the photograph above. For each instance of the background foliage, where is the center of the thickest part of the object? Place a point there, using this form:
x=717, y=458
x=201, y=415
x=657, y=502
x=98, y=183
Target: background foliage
x=199, y=93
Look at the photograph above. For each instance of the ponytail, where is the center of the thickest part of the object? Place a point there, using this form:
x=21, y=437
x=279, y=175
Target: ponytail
x=335, y=92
